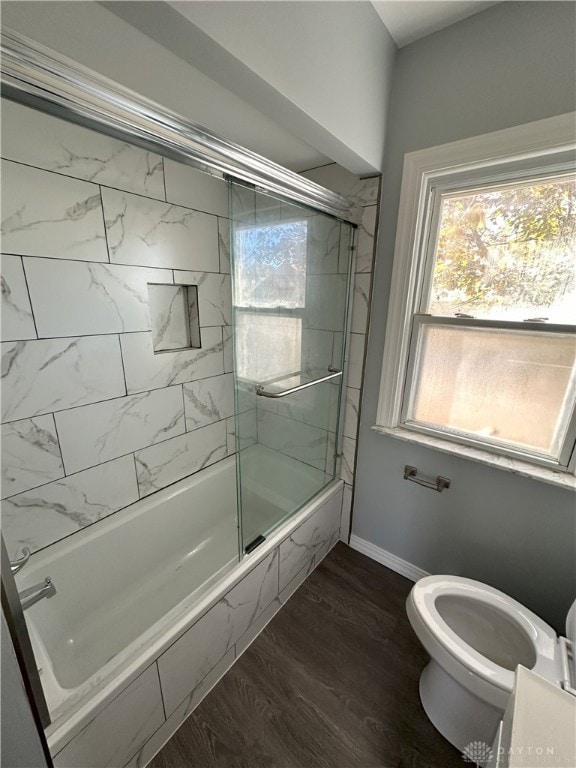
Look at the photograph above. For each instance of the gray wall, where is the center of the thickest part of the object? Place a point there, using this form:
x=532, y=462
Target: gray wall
x=508, y=65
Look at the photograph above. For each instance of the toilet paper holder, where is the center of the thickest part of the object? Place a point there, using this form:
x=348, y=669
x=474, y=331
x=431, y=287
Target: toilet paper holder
x=411, y=473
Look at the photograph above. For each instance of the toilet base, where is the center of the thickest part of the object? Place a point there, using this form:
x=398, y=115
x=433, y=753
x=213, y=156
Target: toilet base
x=457, y=714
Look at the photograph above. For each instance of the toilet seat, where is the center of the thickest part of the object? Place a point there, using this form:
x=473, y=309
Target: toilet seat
x=479, y=674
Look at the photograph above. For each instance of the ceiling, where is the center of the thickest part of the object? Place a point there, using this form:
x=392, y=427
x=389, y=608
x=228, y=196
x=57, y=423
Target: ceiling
x=409, y=20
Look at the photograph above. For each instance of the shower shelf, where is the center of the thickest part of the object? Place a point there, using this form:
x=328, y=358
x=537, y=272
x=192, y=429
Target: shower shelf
x=262, y=392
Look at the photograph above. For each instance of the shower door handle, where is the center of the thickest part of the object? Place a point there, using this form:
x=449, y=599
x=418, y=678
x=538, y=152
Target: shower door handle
x=261, y=390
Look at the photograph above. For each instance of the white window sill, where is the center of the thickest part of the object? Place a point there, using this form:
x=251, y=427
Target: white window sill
x=523, y=468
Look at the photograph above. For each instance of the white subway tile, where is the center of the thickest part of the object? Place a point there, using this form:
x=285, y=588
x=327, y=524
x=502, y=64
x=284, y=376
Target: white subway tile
x=326, y=301
x=356, y=360
x=96, y=433
x=150, y=233
x=17, y=323
x=112, y=738
x=346, y=514
x=297, y=581
x=44, y=214
x=348, y=459
x=50, y=375
x=208, y=400
x=365, y=243
x=228, y=343
x=361, y=288
x=294, y=438
x=170, y=317
x=247, y=425
x=169, y=461
x=351, y=408
x=192, y=657
x=317, y=347
x=30, y=454
x=41, y=516
x=341, y=181
x=38, y=139
x=257, y=626
x=323, y=245
x=72, y=298
x=193, y=189
x=146, y=370
x=301, y=547
x=167, y=729
x=224, y=245
x=214, y=296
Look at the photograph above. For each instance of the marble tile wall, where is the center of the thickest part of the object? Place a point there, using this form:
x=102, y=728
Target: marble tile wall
x=365, y=193
x=140, y=716
x=94, y=416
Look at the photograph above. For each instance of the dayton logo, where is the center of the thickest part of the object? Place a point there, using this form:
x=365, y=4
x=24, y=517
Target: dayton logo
x=478, y=752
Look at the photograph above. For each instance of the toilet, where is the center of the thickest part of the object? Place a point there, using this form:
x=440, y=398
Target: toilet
x=476, y=636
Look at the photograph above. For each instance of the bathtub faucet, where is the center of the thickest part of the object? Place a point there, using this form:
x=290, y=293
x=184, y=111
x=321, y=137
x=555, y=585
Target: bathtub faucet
x=31, y=595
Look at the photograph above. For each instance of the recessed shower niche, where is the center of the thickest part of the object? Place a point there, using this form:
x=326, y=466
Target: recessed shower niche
x=174, y=316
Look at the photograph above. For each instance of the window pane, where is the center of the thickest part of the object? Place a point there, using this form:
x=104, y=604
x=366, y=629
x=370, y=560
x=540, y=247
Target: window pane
x=267, y=346
x=508, y=253
x=510, y=387
x=271, y=264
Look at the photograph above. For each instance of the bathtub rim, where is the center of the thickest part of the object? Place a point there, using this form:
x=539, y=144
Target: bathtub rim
x=65, y=727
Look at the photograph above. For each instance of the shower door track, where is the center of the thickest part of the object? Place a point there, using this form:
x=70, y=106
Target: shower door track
x=41, y=78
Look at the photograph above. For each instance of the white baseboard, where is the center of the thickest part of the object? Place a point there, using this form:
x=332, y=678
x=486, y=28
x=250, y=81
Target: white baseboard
x=395, y=563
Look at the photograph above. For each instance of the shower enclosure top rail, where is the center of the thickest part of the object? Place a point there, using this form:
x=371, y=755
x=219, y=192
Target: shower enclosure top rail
x=261, y=390
x=39, y=77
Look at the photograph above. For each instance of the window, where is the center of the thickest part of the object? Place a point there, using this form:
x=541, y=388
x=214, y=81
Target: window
x=482, y=322
x=270, y=298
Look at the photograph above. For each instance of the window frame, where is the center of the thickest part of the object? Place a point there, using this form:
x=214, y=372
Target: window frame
x=536, y=149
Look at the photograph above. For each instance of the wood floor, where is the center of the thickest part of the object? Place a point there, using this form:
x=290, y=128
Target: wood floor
x=331, y=682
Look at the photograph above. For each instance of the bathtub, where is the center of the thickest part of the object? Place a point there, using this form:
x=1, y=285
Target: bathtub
x=129, y=586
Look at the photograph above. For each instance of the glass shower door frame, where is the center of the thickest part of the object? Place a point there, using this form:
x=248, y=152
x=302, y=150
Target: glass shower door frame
x=272, y=388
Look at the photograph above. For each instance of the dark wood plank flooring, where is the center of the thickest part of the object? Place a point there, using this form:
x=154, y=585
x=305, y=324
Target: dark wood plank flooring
x=332, y=682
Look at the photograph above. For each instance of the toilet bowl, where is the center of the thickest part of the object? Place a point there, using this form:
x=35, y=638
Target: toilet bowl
x=476, y=636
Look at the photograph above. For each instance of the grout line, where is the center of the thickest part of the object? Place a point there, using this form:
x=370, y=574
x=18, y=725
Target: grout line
x=164, y=179
x=116, y=397
x=316, y=167
x=116, y=333
x=186, y=430
x=59, y=260
x=140, y=498
x=108, y=186
x=29, y=297
x=155, y=662
x=104, y=225
x=136, y=473
x=71, y=474
x=61, y=456
x=123, y=366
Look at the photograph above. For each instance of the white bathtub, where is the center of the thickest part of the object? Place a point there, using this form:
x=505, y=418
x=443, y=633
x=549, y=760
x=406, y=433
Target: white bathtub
x=120, y=582
x=128, y=586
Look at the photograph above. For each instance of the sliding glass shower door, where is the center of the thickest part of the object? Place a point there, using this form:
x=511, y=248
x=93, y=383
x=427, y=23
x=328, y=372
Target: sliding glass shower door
x=291, y=268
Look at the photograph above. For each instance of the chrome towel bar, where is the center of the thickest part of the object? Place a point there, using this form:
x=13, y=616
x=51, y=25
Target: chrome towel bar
x=410, y=473
x=261, y=390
